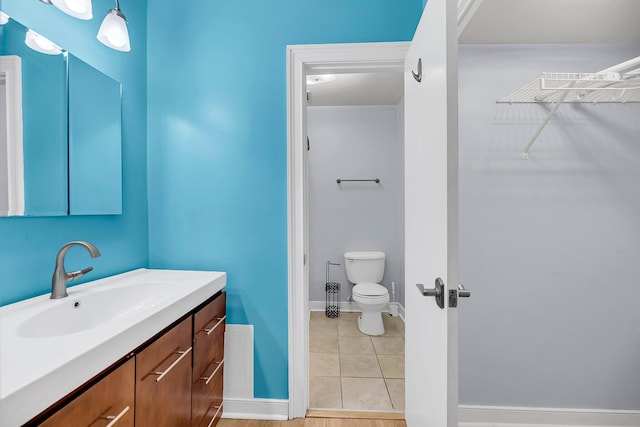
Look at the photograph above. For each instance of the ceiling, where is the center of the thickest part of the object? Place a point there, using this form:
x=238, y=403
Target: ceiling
x=358, y=89
x=501, y=22
x=554, y=21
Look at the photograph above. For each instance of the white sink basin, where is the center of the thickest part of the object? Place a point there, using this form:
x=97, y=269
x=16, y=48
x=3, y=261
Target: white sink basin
x=48, y=347
x=94, y=309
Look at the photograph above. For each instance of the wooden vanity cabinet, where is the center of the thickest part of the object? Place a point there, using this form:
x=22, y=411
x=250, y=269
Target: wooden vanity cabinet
x=208, y=363
x=108, y=402
x=173, y=380
x=163, y=379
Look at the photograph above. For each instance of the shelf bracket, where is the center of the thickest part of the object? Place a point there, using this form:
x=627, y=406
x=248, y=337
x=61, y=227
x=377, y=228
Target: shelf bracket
x=525, y=154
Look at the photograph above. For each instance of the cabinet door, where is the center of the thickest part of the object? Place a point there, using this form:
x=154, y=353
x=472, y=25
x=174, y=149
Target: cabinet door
x=208, y=362
x=163, y=380
x=110, y=402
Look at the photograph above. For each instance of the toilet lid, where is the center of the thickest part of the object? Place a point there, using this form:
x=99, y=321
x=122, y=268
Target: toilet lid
x=370, y=290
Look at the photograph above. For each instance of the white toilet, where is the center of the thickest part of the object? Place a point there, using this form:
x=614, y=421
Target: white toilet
x=365, y=269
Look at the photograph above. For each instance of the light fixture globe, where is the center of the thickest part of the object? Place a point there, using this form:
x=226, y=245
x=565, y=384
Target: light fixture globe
x=113, y=31
x=314, y=79
x=4, y=18
x=80, y=9
x=41, y=44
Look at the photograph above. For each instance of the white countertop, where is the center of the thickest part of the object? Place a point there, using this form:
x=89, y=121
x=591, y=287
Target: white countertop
x=37, y=371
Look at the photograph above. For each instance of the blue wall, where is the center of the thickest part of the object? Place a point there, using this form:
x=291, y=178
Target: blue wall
x=28, y=245
x=217, y=143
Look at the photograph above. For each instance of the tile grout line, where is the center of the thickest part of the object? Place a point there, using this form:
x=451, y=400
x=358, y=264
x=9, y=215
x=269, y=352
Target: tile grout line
x=384, y=379
x=375, y=352
x=340, y=377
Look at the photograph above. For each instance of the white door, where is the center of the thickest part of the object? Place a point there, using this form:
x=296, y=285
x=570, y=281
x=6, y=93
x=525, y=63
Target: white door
x=431, y=368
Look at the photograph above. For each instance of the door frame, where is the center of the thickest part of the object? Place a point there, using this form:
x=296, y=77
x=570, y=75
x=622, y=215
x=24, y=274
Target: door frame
x=303, y=60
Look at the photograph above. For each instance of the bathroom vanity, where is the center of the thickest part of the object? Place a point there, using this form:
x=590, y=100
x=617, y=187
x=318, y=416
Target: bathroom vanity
x=146, y=350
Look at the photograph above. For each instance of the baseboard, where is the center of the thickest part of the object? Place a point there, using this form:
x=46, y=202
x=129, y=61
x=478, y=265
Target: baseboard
x=256, y=409
x=401, y=311
x=469, y=416
x=348, y=307
x=497, y=416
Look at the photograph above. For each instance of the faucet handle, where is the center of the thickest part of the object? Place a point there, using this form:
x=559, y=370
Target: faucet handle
x=73, y=275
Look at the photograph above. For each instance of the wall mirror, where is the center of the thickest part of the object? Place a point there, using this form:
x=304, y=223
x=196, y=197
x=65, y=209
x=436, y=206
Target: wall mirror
x=60, y=145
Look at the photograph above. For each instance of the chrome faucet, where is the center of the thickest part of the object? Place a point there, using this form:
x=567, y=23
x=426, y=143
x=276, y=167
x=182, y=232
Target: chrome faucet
x=61, y=277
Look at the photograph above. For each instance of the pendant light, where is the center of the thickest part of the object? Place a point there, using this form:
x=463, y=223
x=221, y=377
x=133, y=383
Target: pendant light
x=80, y=9
x=41, y=44
x=4, y=18
x=113, y=31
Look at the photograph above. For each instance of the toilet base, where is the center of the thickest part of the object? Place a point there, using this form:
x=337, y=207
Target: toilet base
x=370, y=323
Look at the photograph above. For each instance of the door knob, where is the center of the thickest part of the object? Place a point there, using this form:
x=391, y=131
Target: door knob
x=454, y=294
x=437, y=291
x=462, y=292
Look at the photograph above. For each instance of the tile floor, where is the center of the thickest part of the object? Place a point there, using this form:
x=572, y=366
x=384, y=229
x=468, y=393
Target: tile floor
x=353, y=371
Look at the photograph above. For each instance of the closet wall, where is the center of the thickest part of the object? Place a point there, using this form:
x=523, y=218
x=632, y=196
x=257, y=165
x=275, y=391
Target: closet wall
x=548, y=246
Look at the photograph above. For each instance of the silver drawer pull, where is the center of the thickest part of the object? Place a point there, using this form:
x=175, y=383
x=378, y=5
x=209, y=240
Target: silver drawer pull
x=214, y=415
x=161, y=374
x=114, y=418
x=220, y=320
x=210, y=377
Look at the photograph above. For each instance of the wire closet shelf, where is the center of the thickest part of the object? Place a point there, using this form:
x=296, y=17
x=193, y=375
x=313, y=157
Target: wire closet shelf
x=579, y=87
x=617, y=84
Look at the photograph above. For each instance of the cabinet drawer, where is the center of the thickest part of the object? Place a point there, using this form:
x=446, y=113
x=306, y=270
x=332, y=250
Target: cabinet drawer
x=208, y=342
x=210, y=315
x=208, y=362
x=208, y=352
x=109, y=402
x=163, y=379
x=210, y=408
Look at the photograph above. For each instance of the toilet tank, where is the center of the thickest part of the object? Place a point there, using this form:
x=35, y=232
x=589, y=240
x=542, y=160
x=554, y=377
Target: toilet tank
x=364, y=266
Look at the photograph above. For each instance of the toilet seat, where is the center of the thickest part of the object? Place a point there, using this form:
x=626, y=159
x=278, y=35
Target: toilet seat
x=373, y=291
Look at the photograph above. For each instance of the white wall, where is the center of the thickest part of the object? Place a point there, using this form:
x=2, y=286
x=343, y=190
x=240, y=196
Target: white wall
x=550, y=246
x=4, y=183
x=358, y=143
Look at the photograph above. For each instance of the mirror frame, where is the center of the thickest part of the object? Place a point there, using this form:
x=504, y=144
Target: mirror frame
x=11, y=74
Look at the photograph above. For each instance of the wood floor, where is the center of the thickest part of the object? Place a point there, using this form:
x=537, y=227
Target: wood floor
x=327, y=419
x=313, y=422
